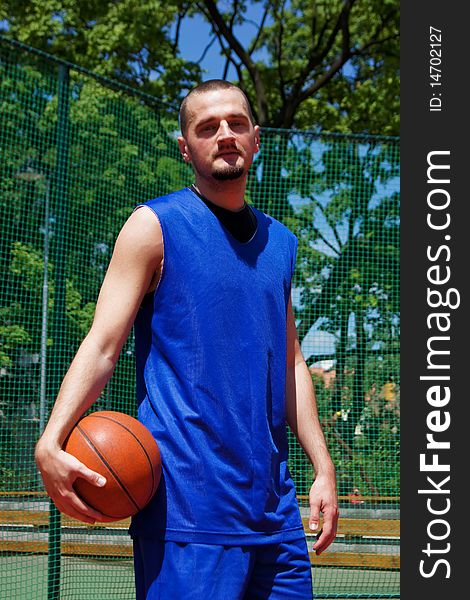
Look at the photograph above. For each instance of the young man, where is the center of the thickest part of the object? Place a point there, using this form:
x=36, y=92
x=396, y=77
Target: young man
x=206, y=281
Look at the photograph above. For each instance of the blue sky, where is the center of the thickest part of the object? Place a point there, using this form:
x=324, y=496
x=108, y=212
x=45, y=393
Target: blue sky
x=195, y=34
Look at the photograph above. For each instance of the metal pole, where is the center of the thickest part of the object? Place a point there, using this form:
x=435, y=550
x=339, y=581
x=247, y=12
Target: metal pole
x=59, y=318
x=44, y=322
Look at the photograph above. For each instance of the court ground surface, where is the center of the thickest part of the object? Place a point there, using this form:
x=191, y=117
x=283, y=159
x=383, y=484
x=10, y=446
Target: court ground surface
x=25, y=578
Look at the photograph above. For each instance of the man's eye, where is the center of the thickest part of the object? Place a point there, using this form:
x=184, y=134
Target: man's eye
x=208, y=128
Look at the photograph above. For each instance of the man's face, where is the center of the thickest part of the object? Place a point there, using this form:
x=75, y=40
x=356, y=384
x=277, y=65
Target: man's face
x=220, y=140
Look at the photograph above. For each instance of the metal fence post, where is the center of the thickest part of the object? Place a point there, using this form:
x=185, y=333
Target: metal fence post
x=59, y=317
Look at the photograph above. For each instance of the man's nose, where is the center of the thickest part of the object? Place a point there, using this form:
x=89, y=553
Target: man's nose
x=224, y=133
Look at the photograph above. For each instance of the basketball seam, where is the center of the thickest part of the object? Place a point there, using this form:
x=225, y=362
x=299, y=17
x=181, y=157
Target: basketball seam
x=109, y=418
x=105, y=462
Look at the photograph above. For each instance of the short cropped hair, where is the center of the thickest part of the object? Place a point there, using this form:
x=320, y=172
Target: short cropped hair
x=209, y=86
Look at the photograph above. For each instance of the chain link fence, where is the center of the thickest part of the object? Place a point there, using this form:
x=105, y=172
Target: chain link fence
x=77, y=153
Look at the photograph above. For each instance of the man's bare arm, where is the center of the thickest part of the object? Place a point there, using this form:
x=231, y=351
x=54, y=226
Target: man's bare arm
x=137, y=256
x=302, y=416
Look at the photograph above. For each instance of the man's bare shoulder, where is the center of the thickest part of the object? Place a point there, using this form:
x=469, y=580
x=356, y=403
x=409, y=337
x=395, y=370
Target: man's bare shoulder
x=141, y=232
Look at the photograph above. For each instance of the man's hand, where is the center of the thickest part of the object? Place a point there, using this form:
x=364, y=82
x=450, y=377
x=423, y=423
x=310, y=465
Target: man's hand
x=59, y=471
x=323, y=499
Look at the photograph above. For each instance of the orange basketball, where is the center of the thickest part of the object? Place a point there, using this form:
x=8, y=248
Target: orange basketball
x=124, y=451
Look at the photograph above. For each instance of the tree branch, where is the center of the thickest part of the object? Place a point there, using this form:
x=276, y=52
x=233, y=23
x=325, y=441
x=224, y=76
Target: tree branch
x=217, y=19
x=326, y=242
x=336, y=234
x=181, y=16
x=206, y=49
x=260, y=30
x=279, y=54
x=320, y=35
x=333, y=228
x=346, y=51
x=321, y=81
x=342, y=24
x=232, y=21
x=297, y=95
x=374, y=43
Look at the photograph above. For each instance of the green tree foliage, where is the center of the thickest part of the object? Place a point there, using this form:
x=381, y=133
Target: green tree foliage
x=371, y=464
x=129, y=41
x=119, y=153
x=347, y=221
x=333, y=194
x=331, y=66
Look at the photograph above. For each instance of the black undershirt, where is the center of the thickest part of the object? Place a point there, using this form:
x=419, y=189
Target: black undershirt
x=241, y=224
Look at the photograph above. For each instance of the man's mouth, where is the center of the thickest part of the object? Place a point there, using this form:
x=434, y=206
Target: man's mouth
x=228, y=153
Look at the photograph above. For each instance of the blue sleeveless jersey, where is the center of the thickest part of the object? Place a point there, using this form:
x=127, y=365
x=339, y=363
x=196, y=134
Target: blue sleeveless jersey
x=211, y=367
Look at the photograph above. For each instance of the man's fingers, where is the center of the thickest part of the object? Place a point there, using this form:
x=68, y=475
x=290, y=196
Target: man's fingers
x=75, y=514
x=69, y=502
x=313, y=523
x=314, y=519
x=324, y=538
x=323, y=541
x=59, y=471
x=72, y=505
x=91, y=476
x=79, y=507
x=328, y=533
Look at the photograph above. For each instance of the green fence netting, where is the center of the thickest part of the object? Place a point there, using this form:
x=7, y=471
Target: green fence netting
x=77, y=153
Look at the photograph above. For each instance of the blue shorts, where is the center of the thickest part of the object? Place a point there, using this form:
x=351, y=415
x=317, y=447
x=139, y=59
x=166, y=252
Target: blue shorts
x=172, y=570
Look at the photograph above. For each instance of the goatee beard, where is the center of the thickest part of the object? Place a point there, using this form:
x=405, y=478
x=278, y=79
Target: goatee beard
x=227, y=173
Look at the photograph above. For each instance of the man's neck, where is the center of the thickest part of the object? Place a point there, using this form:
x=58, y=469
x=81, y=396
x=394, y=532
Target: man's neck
x=227, y=194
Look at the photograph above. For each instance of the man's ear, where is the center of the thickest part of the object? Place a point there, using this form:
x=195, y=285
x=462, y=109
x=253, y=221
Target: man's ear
x=257, y=138
x=183, y=149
